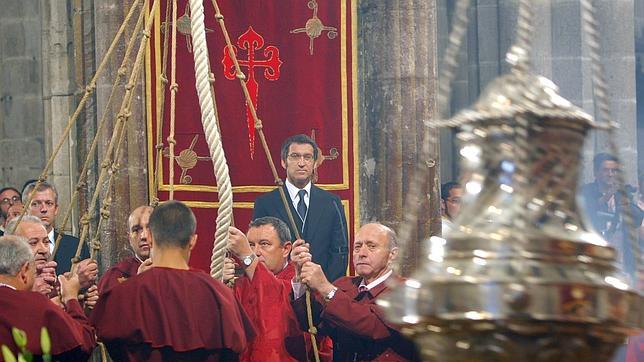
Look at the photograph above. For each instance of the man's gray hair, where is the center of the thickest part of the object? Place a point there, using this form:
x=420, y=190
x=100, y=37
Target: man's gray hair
x=44, y=186
x=392, y=238
x=14, y=253
x=283, y=232
x=10, y=229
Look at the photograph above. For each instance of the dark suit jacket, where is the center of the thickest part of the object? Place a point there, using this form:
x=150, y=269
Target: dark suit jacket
x=357, y=326
x=66, y=251
x=325, y=228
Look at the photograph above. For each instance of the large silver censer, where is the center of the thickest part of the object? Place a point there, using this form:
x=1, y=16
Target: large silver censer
x=523, y=277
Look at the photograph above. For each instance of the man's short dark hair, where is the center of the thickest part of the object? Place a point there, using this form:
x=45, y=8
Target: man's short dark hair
x=44, y=186
x=283, y=232
x=447, y=187
x=302, y=139
x=9, y=188
x=172, y=224
x=600, y=158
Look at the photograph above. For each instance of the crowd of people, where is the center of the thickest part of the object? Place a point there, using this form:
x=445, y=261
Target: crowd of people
x=153, y=306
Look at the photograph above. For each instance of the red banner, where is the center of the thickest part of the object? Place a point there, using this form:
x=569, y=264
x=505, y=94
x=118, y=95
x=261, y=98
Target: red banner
x=299, y=60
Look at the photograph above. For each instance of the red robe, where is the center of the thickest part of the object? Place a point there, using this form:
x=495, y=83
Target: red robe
x=266, y=300
x=172, y=315
x=72, y=337
x=358, y=327
x=119, y=273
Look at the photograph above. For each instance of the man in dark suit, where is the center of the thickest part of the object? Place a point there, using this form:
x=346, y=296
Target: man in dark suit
x=318, y=214
x=44, y=205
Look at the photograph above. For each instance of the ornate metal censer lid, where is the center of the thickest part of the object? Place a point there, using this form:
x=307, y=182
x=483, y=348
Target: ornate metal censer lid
x=522, y=277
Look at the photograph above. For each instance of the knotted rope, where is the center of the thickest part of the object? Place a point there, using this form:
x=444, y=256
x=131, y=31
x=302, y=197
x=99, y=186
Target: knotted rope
x=213, y=138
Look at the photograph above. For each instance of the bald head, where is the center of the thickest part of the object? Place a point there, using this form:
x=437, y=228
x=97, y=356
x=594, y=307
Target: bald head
x=374, y=249
x=139, y=231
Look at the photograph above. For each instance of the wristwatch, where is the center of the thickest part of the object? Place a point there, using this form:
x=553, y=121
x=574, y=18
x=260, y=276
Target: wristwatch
x=248, y=260
x=331, y=294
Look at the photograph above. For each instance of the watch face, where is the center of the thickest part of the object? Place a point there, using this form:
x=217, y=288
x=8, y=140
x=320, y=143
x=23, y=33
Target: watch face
x=248, y=260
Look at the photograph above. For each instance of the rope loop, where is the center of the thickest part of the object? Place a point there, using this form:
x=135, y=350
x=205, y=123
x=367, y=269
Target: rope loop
x=154, y=202
x=174, y=87
x=219, y=17
x=258, y=124
x=171, y=140
x=146, y=33
x=81, y=185
x=211, y=77
x=84, y=220
x=105, y=213
x=313, y=330
x=90, y=88
x=122, y=71
x=105, y=164
x=95, y=244
x=163, y=78
x=241, y=76
x=159, y=146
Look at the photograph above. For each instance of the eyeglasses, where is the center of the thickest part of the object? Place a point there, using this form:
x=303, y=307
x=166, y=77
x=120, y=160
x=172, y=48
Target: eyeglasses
x=7, y=200
x=296, y=157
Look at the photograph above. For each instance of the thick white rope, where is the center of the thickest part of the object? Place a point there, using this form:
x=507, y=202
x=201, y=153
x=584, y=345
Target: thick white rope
x=224, y=215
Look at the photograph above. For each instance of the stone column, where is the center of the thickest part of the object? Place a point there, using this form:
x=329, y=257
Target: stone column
x=397, y=86
x=129, y=188
x=559, y=53
x=59, y=104
x=22, y=149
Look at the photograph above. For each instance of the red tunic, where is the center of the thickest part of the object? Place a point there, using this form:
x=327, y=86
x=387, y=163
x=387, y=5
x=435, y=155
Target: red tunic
x=357, y=325
x=119, y=273
x=72, y=337
x=172, y=315
x=266, y=300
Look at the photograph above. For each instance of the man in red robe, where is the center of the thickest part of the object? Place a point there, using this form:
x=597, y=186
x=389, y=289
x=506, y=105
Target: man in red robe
x=171, y=312
x=346, y=310
x=33, y=228
x=138, y=233
x=264, y=290
x=72, y=337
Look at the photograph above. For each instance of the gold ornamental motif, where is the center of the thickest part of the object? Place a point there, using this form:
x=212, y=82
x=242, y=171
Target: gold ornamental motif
x=314, y=27
x=183, y=27
x=187, y=160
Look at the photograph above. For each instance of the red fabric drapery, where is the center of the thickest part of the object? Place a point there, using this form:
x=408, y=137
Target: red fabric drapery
x=299, y=60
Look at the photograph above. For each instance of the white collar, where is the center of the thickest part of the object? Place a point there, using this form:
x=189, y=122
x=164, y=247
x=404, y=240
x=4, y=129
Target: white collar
x=375, y=283
x=293, y=190
x=8, y=286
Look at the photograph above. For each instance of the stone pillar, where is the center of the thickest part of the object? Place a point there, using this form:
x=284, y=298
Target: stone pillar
x=559, y=53
x=639, y=78
x=616, y=23
x=59, y=104
x=129, y=188
x=397, y=93
x=22, y=149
